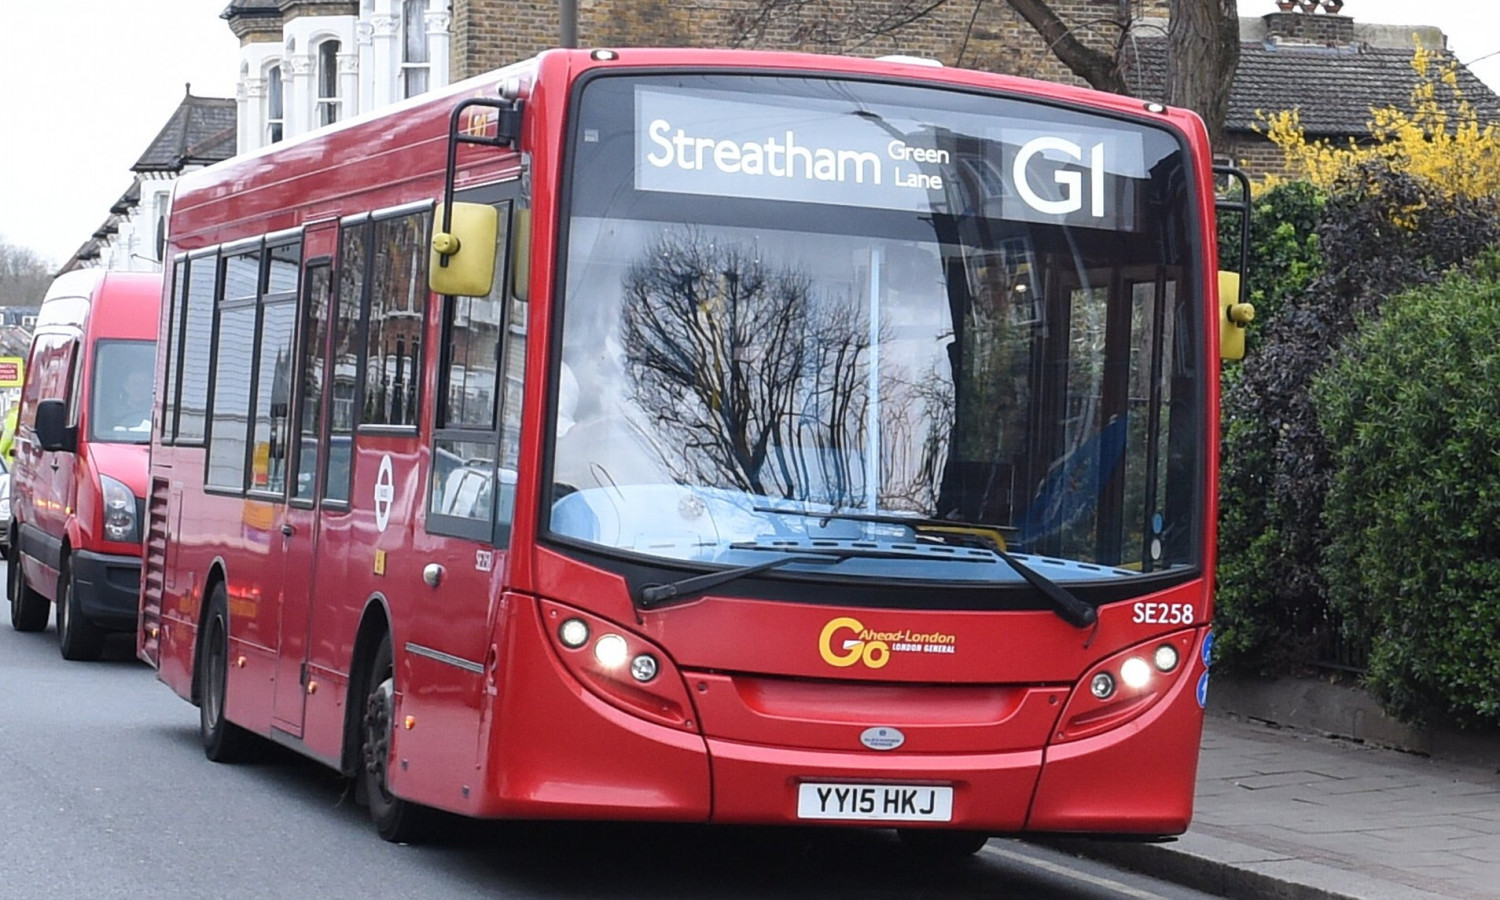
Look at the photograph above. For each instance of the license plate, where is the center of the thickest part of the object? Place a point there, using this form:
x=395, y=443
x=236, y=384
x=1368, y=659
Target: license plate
x=886, y=802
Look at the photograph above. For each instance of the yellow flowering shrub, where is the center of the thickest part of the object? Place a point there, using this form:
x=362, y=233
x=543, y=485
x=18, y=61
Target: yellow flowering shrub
x=1440, y=139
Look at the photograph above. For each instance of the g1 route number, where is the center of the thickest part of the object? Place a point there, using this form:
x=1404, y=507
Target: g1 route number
x=1163, y=614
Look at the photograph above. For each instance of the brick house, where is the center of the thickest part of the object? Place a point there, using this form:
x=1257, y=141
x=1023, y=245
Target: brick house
x=1331, y=68
x=988, y=35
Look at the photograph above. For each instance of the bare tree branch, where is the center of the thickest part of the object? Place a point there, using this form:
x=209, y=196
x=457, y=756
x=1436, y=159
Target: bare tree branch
x=1202, y=40
x=1100, y=70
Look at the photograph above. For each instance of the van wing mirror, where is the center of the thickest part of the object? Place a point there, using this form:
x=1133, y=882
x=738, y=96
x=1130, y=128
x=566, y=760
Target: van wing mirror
x=462, y=263
x=52, y=429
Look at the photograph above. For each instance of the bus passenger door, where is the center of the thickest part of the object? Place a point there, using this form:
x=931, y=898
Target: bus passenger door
x=470, y=496
x=307, y=445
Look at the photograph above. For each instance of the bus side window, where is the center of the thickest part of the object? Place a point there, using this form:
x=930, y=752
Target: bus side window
x=344, y=359
x=472, y=487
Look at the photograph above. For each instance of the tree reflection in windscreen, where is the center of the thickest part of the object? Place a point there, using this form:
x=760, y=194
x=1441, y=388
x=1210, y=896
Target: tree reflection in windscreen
x=755, y=381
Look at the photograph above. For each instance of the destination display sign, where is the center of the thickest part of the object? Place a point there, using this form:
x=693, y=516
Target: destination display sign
x=712, y=143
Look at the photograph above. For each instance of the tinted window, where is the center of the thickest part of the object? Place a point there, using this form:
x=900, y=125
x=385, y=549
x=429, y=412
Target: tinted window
x=398, y=302
x=197, y=341
x=174, y=348
x=314, y=354
x=353, y=255
x=273, y=389
x=472, y=491
x=231, y=404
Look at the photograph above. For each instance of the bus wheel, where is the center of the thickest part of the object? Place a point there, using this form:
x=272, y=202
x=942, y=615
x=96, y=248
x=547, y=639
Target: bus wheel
x=938, y=844
x=28, y=609
x=77, y=637
x=223, y=741
x=397, y=820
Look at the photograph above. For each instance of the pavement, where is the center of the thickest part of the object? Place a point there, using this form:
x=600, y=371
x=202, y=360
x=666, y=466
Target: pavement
x=1290, y=811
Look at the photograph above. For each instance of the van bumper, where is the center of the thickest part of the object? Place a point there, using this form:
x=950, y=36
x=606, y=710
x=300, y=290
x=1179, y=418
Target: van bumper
x=108, y=588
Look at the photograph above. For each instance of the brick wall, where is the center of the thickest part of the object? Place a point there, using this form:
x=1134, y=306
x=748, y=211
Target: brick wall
x=983, y=34
x=491, y=33
x=1255, y=154
x=1330, y=29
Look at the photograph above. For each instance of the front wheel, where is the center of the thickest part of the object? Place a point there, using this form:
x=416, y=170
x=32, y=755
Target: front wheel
x=28, y=609
x=77, y=637
x=939, y=844
x=223, y=741
x=397, y=820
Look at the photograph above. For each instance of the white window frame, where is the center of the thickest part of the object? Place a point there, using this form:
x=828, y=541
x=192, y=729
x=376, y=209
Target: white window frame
x=414, y=14
x=328, y=105
x=275, y=103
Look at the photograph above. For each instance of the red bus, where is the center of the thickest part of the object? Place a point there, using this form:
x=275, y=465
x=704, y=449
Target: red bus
x=702, y=436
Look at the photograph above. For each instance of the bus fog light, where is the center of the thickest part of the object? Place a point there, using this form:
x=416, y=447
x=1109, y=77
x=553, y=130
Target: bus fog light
x=574, y=633
x=1135, y=672
x=1102, y=685
x=1165, y=658
x=611, y=651
x=643, y=668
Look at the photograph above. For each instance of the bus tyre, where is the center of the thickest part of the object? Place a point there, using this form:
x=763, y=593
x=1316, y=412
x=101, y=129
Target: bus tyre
x=223, y=741
x=77, y=637
x=938, y=844
x=399, y=821
x=28, y=609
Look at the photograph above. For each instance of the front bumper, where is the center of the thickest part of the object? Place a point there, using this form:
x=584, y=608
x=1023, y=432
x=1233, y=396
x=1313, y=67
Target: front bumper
x=108, y=588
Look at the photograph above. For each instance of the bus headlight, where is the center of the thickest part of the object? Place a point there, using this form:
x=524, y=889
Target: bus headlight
x=1135, y=673
x=574, y=633
x=1165, y=658
x=1121, y=686
x=611, y=651
x=622, y=668
x=643, y=668
x=119, y=511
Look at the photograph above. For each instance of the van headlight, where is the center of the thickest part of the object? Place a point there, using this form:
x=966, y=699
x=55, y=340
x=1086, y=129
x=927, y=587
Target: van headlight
x=120, y=523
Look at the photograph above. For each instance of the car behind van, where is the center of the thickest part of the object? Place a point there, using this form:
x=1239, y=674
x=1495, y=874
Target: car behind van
x=79, y=476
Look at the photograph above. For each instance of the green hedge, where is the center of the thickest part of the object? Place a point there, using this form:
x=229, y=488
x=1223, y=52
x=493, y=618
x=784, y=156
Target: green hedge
x=1379, y=232
x=1412, y=412
x=1284, y=258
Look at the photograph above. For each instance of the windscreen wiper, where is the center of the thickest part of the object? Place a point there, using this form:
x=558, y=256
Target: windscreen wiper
x=654, y=595
x=1064, y=602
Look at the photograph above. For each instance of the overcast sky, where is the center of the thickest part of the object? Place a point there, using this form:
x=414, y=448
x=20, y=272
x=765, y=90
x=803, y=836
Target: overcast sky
x=88, y=84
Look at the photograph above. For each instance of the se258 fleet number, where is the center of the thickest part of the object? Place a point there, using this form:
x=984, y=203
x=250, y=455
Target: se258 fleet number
x=1163, y=614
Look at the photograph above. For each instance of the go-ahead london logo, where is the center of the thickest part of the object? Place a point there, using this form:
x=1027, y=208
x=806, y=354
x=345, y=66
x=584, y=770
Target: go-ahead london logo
x=845, y=641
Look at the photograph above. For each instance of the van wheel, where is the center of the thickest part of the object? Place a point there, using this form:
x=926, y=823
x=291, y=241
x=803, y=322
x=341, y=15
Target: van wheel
x=399, y=821
x=223, y=741
x=77, y=637
x=28, y=609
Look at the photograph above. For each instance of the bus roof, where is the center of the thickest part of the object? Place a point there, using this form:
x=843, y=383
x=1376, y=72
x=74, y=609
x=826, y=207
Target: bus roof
x=383, y=138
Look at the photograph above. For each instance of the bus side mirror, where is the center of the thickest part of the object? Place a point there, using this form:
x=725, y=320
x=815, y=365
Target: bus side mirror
x=52, y=429
x=462, y=262
x=1234, y=315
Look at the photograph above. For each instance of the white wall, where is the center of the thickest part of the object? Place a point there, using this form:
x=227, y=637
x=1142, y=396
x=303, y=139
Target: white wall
x=369, y=66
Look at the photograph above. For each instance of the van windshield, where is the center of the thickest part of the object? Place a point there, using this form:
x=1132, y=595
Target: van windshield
x=122, y=391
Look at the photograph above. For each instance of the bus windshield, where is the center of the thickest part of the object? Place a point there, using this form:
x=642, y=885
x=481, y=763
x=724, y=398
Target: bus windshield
x=924, y=324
